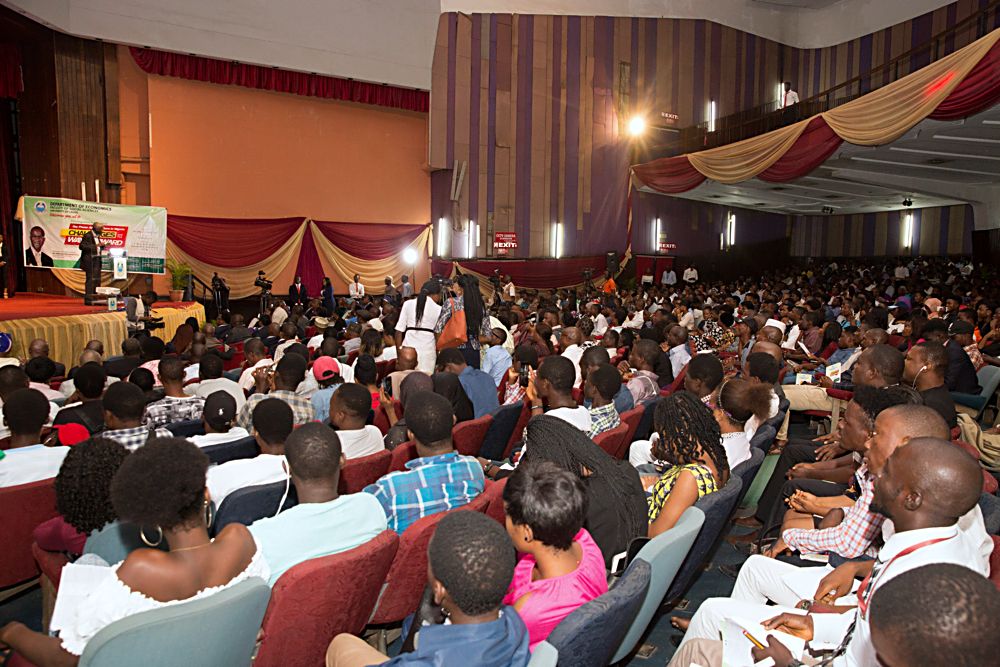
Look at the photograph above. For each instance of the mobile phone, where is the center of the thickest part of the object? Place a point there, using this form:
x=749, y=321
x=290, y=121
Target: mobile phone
x=524, y=375
x=387, y=386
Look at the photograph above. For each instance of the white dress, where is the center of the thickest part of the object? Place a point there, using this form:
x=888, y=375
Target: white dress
x=424, y=342
x=113, y=600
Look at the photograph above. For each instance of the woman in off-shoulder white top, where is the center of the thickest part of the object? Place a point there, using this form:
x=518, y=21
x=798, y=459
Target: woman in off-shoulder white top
x=160, y=486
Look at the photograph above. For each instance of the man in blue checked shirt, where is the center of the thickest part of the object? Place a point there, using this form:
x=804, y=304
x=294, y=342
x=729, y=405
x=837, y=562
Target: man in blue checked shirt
x=439, y=479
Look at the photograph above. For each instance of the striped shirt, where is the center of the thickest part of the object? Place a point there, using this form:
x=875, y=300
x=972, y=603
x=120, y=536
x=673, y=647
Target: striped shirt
x=430, y=485
x=603, y=419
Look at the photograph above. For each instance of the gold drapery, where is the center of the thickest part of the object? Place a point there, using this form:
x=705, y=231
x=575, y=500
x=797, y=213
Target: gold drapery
x=67, y=335
x=343, y=265
x=745, y=159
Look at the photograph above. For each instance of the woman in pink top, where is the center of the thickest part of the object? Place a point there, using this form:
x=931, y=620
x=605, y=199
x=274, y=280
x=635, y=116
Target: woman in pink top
x=561, y=567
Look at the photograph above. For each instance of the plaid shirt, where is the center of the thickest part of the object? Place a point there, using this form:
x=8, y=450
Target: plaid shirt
x=430, y=485
x=603, y=419
x=855, y=534
x=169, y=409
x=302, y=409
x=134, y=438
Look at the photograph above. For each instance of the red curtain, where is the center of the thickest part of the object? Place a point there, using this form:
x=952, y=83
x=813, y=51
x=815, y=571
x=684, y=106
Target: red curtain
x=979, y=91
x=11, y=82
x=231, y=243
x=309, y=266
x=283, y=81
x=812, y=148
x=370, y=241
x=669, y=175
x=6, y=200
x=534, y=273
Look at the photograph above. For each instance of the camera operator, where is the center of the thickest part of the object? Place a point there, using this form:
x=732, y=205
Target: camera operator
x=220, y=294
x=265, y=291
x=138, y=314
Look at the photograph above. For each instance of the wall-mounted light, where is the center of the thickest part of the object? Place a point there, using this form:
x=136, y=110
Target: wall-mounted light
x=907, y=230
x=711, y=116
x=731, y=229
x=472, y=239
x=442, y=237
x=636, y=126
x=656, y=235
x=556, y=240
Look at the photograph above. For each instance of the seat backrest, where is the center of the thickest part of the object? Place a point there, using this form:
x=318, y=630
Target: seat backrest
x=664, y=553
x=747, y=470
x=989, y=505
x=544, y=655
x=381, y=420
x=187, y=428
x=115, y=541
x=244, y=448
x=995, y=562
x=220, y=629
x=494, y=495
x=611, y=441
x=358, y=473
x=22, y=508
x=717, y=507
x=677, y=384
x=251, y=503
x=498, y=434
x=397, y=407
x=763, y=437
x=646, y=423
x=632, y=418
x=318, y=599
x=404, y=584
x=518, y=433
x=402, y=455
x=590, y=635
x=468, y=436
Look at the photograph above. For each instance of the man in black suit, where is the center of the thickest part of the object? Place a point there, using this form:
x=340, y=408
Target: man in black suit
x=3, y=267
x=297, y=293
x=33, y=255
x=90, y=259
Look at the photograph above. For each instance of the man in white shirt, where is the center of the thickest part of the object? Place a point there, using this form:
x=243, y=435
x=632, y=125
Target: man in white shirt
x=790, y=98
x=509, y=291
x=902, y=273
x=600, y=322
x=210, y=373
x=39, y=371
x=256, y=357
x=13, y=378
x=415, y=326
x=552, y=385
x=26, y=461
x=321, y=324
x=669, y=278
x=678, y=352
x=356, y=290
x=570, y=339
x=219, y=417
x=279, y=314
x=349, y=409
x=272, y=424
x=691, y=275
x=289, y=336
x=634, y=320
x=925, y=488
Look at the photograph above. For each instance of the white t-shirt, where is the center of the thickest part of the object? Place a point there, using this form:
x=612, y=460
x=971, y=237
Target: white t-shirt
x=355, y=290
x=279, y=316
x=209, y=439
x=24, y=465
x=246, y=378
x=228, y=477
x=790, y=98
x=690, y=274
x=600, y=324
x=737, y=448
x=5, y=432
x=573, y=353
x=361, y=442
x=578, y=416
x=421, y=341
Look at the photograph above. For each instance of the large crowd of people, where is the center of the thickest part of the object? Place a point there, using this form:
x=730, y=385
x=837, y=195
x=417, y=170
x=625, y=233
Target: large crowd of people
x=878, y=515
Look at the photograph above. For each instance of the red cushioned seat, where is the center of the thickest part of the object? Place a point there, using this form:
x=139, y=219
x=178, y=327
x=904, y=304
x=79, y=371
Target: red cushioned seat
x=468, y=436
x=22, y=508
x=358, y=473
x=613, y=441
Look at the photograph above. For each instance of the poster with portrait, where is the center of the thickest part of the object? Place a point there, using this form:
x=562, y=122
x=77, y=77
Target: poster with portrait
x=52, y=229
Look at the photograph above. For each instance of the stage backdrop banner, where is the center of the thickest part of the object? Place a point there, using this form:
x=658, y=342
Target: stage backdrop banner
x=53, y=228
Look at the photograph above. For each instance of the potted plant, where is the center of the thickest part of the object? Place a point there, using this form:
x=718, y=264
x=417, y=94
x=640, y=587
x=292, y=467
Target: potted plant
x=180, y=275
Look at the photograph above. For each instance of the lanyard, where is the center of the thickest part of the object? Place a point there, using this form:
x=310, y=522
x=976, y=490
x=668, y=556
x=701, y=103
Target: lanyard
x=863, y=591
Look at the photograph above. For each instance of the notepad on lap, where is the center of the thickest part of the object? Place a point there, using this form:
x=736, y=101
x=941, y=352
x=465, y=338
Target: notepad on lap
x=75, y=584
x=736, y=647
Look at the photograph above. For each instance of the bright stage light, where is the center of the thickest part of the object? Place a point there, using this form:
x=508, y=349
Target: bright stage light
x=410, y=256
x=636, y=126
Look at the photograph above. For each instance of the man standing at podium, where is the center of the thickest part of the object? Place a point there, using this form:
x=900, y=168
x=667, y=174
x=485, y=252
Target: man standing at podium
x=90, y=260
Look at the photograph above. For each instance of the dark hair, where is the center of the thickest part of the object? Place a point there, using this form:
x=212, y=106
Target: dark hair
x=313, y=452
x=40, y=369
x=764, y=367
x=210, y=367
x=26, y=411
x=527, y=355
x=945, y=606
x=83, y=485
x=472, y=302
x=215, y=410
x=124, y=400
x=365, y=370
x=594, y=355
x=152, y=348
x=254, y=346
x=815, y=318
x=448, y=386
x=355, y=399
x=726, y=317
x=288, y=330
x=11, y=378
x=687, y=429
x=559, y=372
x=161, y=484
x=273, y=420
x=831, y=334
x=648, y=351
x=90, y=380
x=142, y=378
x=888, y=361
x=707, y=368
x=559, y=442
x=606, y=380
x=171, y=369
x=430, y=418
x=473, y=558
x=548, y=499
x=299, y=349
x=935, y=355
x=451, y=355
x=741, y=399
x=371, y=343
x=291, y=370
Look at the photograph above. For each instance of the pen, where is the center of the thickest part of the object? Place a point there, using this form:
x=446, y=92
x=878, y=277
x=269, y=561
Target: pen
x=753, y=640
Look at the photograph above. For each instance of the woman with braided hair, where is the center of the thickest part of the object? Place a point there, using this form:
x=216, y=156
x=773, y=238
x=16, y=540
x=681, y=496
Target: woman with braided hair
x=616, y=507
x=415, y=326
x=688, y=439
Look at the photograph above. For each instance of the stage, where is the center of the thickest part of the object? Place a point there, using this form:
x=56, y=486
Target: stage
x=67, y=324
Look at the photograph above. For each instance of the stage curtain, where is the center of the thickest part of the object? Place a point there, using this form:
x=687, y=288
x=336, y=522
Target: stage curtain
x=817, y=143
x=231, y=242
x=211, y=70
x=979, y=91
x=240, y=277
x=888, y=113
x=309, y=266
x=536, y=273
x=369, y=241
x=745, y=159
x=11, y=82
x=669, y=175
x=343, y=263
x=76, y=280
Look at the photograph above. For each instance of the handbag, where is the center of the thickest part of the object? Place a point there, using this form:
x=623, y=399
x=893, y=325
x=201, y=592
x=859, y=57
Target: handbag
x=454, y=332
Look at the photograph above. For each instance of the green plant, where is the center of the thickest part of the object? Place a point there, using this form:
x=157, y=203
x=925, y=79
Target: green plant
x=179, y=272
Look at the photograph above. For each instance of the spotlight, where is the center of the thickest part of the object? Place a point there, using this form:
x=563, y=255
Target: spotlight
x=636, y=126
x=907, y=202
x=828, y=210
x=410, y=256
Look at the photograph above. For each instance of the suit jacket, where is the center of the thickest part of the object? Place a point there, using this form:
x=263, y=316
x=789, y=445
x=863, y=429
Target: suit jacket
x=29, y=258
x=88, y=247
x=298, y=294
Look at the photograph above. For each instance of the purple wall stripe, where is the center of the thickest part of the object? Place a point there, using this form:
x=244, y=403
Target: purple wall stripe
x=970, y=224
x=452, y=57
x=491, y=122
x=944, y=226
x=525, y=58
x=649, y=77
x=634, y=72
x=817, y=72
x=572, y=168
x=918, y=230
x=868, y=236
x=715, y=66
x=865, y=64
x=698, y=94
x=748, y=75
x=950, y=21
x=474, y=116
x=675, y=75
x=923, y=29
x=557, y=36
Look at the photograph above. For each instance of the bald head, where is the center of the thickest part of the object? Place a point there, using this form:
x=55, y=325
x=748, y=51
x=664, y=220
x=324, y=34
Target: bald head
x=96, y=346
x=767, y=347
x=38, y=348
x=931, y=481
x=572, y=336
x=407, y=359
x=897, y=426
x=88, y=356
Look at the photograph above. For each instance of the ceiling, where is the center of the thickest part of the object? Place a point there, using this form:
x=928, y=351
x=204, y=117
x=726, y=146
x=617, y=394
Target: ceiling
x=804, y=4
x=935, y=164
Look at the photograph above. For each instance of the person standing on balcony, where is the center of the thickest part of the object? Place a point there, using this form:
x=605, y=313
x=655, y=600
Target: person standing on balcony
x=789, y=102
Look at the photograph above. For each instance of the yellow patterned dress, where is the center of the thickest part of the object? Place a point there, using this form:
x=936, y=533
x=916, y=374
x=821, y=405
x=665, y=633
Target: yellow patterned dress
x=660, y=492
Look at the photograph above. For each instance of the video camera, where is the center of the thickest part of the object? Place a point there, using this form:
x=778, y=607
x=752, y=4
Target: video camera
x=262, y=282
x=154, y=323
x=495, y=278
x=588, y=273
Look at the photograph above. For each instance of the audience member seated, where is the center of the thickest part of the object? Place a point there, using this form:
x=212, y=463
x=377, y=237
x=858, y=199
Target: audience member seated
x=256, y=359
x=68, y=387
x=124, y=406
x=561, y=567
x=366, y=375
x=152, y=352
x=349, y=410
x=398, y=433
x=161, y=485
x=219, y=419
x=272, y=424
x=688, y=437
x=439, y=478
x=703, y=377
x=639, y=372
x=925, y=369
x=592, y=358
x=83, y=496
x=13, y=378
x=570, y=341
x=143, y=378
x=326, y=371
x=211, y=380
x=84, y=406
x=175, y=406
x=238, y=331
x=279, y=383
x=39, y=348
x=525, y=356
x=129, y=360
x=763, y=368
x=496, y=359
x=737, y=402
x=478, y=386
x=448, y=385
x=27, y=460
x=551, y=386
x=678, y=350
x=406, y=364
x=960, y=374
x=470, y=566
x=599, y=388
x=288, y=335
x=323, y=522
x=39, y=371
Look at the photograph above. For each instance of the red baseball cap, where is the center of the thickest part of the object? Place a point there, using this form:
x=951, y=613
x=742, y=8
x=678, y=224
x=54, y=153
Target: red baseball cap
x=325, y=368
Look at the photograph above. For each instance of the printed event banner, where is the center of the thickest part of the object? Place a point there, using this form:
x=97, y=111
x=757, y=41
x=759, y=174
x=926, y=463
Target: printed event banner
x=53, y=228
